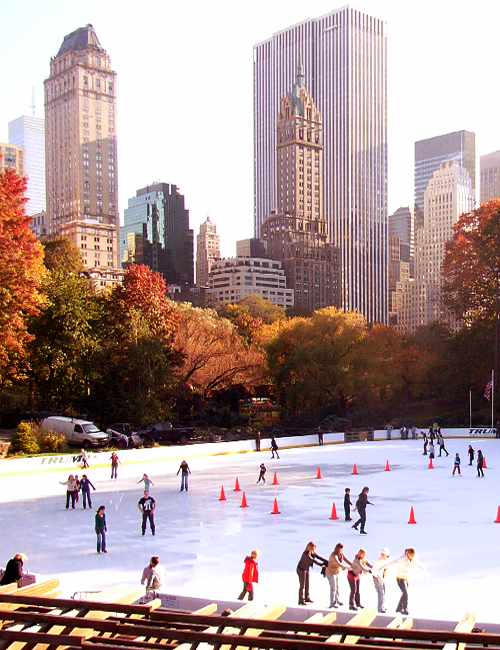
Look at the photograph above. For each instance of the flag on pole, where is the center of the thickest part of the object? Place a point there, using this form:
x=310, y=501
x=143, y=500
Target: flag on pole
x=487, y=390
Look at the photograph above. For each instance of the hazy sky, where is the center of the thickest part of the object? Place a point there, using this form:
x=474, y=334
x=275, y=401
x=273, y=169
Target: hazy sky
x=185, y=85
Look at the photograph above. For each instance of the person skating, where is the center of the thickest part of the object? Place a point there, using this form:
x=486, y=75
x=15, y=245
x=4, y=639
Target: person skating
x=77, y=491
x=426, y=442
x=274, y=448
x=115, y=461
x=378, y=572
x=404, y=566
x=153, y=576
x=185, y=472
x=307, y=559
x=85, y=459
x=332, y=570
x=359, y=565
x=101, y=529
x=347, y=504
x=262, y=473
x=147, y=507
x=250, y=575
x=361, y=504
x=85, y=486
x=71, y=487
x=479, y=463
x=456, y=465
x=471, y=453
x=14, y=569
x=441, y=444
x=431, y=450
x=147, y=482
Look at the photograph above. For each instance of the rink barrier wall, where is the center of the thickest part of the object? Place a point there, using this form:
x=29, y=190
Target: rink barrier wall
x=100, y=459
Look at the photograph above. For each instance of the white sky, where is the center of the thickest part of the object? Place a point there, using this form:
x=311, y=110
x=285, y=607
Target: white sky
x=185, y=85
x=202, y=541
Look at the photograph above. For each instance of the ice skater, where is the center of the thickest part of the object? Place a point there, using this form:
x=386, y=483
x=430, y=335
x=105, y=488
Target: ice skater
x=361, y=504
x=332, y=570
x=274, y=448
x=378, y=572
x=71, y=488
x=154, y=575
x=359, y=565
x=307, y=559
x=85, y=459
x=115, y=461
x=101, y=529
x=426, y=442
x=404, y=566
x=456, y=465
x=431, y=450
x=147, y=507
x=184, y=468
x=471, y=453
x=85, y=486
x=77, y=491
x=479, y=464
x=147, y=482
x=262, y=473
x=250, y=575
x=441, y=444
x=347, y=504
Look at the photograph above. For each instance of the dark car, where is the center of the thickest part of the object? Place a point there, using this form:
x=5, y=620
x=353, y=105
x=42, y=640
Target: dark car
x=121, y=435
x=164, y=432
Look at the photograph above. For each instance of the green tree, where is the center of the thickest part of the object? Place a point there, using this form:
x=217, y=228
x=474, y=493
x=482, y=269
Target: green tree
x=262, y=308
x=21, y=274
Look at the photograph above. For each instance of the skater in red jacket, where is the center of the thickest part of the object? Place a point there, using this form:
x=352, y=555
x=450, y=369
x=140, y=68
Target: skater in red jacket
x=250, y=575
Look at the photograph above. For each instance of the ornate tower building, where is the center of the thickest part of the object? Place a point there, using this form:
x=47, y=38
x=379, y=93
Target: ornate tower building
x=207, y=251
x=81, y=149
x=297, y=233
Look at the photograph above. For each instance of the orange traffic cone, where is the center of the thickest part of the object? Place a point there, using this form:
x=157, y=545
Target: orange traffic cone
x=244, y=503
x=387, y=468
x=354, y=469
x=497, y=520
x=431, y=466
x=484, y=463
x=222, y=495
x=275, y=480
x=412, y=517
x=318, y=475
x=275, y=508
x=236, y=486
x=334, y=512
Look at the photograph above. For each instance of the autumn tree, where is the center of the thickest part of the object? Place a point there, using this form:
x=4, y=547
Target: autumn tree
x=470, y=259
x=214, y=356
x=21, y=273
x=315, y=362
x=262, y=308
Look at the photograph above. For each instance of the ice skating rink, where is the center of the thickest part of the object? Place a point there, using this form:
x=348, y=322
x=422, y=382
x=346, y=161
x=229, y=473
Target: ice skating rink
x=202, y=540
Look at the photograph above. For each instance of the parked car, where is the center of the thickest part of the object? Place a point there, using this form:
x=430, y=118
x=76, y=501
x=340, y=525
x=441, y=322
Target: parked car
x=164, y=432
x=121, y=435
x=77, y=432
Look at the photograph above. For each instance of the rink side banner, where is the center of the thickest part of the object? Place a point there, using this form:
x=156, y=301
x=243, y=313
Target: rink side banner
x=483, y=432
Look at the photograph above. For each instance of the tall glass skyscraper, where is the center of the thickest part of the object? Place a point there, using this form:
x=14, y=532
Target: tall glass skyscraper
x=29, y=132
x=344, y=55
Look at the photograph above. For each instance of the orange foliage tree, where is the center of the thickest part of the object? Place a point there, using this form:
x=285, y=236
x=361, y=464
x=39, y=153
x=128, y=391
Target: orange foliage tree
x=21, y=273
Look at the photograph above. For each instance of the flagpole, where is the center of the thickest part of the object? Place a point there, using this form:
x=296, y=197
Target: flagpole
x=492, y=396
x=470, y=409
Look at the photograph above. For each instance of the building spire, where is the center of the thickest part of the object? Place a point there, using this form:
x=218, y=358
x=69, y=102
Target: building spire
x=300, y=77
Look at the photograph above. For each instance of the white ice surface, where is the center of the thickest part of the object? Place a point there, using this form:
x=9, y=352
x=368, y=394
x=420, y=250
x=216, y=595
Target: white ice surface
x=202, y=541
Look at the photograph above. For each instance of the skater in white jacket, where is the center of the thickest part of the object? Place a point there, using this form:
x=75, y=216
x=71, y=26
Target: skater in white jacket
x=404, y=566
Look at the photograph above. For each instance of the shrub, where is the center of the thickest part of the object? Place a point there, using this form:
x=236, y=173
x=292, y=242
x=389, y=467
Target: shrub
x=49, y=440
x=24, y=440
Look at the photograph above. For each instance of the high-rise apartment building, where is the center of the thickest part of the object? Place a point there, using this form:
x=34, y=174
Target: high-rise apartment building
x=430, y=154
x=448, y=195
x=297, y=233
x=489, y=176
x=207, y=251
x=344, y=54
x=81, y=149
x=156, y=232
x=12, y=157
x=29, y=132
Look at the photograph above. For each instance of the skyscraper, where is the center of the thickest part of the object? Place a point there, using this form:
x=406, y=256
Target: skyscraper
x=156, y=232
x=29, y=132
x=490, y=176
x=459, y=147
x=207, y=251
x=81, y=155
x=344, y=54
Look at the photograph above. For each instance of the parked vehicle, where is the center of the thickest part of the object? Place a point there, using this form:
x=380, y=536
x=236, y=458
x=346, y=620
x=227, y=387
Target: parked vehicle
x=77, y=432
x=121, y=435
x=164, y=432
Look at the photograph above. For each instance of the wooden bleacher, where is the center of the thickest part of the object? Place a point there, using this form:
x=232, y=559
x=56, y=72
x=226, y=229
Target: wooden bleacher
x=36, y=618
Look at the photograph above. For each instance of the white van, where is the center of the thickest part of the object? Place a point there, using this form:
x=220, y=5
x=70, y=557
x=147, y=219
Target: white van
x=78, y=432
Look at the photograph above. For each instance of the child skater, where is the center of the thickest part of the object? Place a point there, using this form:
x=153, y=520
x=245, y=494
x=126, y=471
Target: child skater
x=262, y=473
x=147, y=482
x=347, y=504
